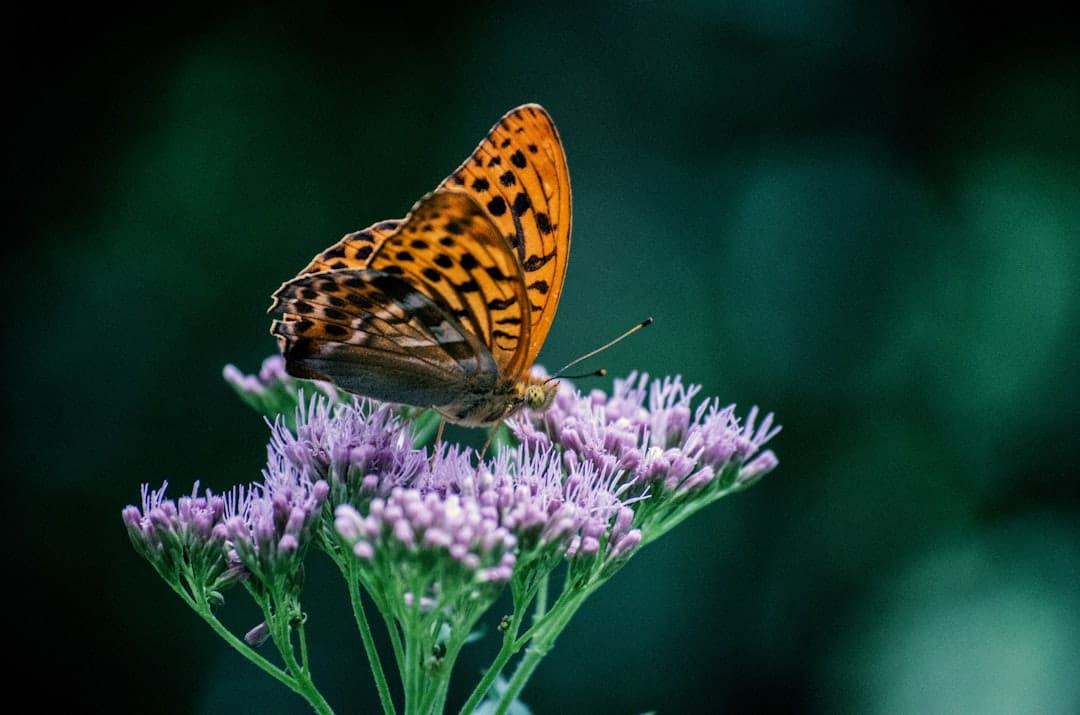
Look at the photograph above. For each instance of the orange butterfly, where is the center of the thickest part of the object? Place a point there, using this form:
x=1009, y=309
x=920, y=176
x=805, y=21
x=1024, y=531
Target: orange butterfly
x=448, y=307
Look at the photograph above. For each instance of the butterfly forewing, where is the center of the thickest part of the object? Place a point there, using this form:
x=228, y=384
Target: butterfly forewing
x=450, y=250
x=518, y=174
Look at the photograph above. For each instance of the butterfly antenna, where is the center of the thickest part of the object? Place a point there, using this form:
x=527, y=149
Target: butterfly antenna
x=595, y=373
x=605, y=346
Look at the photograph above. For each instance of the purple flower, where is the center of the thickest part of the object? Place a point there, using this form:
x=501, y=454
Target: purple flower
x=257, y=635
x=577, y=509
x=272, y=376
x=184, y=539
x=362, y=448
x=458, y=537
x=466, y=523
x=652, y=433
x=273, y=391
x=593, y=478
x=269, y=528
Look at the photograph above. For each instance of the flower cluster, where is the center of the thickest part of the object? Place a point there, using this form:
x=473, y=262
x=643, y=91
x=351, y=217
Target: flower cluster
x=205, y=544
x=271, y=529
x=273, y=392
x=575, y=480
x=184, y=540
x=649, y=431
x=362, y=448
x=433, y=537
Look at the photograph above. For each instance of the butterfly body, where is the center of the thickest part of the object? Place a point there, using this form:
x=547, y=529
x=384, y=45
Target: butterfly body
x=448, y=307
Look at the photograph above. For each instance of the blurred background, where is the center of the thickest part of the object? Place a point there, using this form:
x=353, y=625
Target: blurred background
x=862, y=217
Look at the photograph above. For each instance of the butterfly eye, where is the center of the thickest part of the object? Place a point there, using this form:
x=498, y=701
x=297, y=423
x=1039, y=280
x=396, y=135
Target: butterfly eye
x=537, y=397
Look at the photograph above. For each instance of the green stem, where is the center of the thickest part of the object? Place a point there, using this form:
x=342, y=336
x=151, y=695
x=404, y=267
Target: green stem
x=302, y=687
x=395, y=638
x=506, y=652
x=304, y=675
x=511, y=644
x=541, y=595
x=353, y=580
x=412, y=672
x=438, y=683
x=541, y=638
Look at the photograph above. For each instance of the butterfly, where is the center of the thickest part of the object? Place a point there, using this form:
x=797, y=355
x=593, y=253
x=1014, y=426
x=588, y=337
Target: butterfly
x=448, y=307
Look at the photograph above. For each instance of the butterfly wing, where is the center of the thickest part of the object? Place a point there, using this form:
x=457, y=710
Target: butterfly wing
x=449, y=306
x=355, y=249
x=437, y=318
x=374, y=334
x=518, y=174
x=450, y=250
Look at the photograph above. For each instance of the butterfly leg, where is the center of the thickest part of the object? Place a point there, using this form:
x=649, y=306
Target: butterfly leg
x=490, y=438
x=438, y=435
x=438, y=440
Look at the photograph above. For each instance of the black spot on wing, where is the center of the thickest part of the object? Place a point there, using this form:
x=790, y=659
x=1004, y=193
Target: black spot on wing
x=521, y=203
x=543, y=223
x=361, y=301
x=335, y=330
x=536, y=262
x=328, y=287
x=501, y=303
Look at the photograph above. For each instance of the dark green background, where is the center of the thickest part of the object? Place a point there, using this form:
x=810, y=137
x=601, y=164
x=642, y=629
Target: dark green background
x=862, y=217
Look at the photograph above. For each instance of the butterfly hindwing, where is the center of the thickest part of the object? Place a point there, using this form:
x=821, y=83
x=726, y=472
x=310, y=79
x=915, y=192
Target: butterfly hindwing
x=374, y=334
x=355, y=249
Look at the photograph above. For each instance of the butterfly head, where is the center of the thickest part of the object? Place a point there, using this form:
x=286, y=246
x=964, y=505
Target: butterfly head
x=539, y=395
